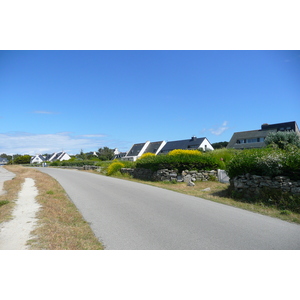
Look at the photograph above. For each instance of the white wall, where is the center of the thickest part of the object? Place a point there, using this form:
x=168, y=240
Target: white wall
x=207, y=144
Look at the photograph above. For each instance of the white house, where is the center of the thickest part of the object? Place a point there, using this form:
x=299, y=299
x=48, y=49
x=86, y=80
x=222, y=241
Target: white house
x=59, y=156
x=52, y=157
x=37, y=159
x=137, y=150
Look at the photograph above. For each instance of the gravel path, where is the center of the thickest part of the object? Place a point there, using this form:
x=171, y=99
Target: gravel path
x=15, y=233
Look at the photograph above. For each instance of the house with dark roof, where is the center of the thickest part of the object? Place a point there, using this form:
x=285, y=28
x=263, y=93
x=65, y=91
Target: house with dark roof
x=191, y=144
x=52, y=157
x=37, y=159
x=137, y=150
x=3, y=161
x=256, y=138
x=58, y=156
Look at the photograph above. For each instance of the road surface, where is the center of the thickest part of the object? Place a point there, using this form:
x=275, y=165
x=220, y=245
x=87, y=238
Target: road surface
x=129, y=215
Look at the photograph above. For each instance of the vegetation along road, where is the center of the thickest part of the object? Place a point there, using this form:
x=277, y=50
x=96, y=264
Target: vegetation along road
x=130, y=215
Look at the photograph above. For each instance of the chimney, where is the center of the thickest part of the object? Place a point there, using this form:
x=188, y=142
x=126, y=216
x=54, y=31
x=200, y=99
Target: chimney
x=264, y=126
x=193, y=138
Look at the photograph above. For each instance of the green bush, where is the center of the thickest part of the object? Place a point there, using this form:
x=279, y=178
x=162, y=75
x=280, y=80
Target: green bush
x=179, y=162
x=114, y=167
x=223, y=156
x=283, y=139
x=266, y=162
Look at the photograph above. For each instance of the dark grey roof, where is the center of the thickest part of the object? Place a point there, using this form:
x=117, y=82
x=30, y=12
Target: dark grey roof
x=281, y=126
x=153, y=147
x=193, y=143
x=135, y=149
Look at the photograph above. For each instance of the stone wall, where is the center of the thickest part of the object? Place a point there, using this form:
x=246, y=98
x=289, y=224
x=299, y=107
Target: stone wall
x=171, y=175
x=253, y=184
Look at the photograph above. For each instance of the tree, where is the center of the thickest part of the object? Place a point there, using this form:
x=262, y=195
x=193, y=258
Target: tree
x=23, y=159
x=105, y=153
x=283, y=138
x=219, y=145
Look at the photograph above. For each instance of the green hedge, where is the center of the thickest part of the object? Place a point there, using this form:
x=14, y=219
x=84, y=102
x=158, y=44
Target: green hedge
x=179, y=162
x=73, y=163
x=266, y=162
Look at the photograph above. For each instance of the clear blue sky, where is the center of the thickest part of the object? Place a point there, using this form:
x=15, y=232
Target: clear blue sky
x=73, y=100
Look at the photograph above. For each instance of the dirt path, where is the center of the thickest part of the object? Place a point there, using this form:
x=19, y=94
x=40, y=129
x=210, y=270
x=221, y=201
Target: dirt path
x=15, y=233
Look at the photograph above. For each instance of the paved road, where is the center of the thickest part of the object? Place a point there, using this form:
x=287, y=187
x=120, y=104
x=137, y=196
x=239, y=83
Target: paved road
x=129, y=215
x=4, y=176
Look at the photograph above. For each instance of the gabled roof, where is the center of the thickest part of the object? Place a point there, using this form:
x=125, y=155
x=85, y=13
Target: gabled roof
x=193, y=143
x=135, y=149
x=37, y=157
x=153, y=147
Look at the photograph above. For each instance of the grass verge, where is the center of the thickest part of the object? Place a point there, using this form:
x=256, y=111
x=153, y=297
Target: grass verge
x=60, y=224
x=219, y=192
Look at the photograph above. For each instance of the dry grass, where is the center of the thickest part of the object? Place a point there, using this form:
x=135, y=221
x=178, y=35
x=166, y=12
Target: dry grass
x=12, y=188
x=60, y=224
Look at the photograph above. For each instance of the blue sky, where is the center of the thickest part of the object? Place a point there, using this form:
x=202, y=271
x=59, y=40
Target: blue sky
x=73, y=100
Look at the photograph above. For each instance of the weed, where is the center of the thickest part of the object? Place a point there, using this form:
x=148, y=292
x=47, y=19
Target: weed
x=3, y=202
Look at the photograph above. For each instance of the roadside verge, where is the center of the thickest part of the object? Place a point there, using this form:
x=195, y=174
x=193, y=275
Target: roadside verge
x=60, y=225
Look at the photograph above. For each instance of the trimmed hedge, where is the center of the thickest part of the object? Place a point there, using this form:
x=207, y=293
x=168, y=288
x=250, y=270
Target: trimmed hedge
x=178, y=162
x=266, y=162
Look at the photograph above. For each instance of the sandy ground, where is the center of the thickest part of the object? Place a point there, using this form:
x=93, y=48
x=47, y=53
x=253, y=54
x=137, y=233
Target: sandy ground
x=15, y=233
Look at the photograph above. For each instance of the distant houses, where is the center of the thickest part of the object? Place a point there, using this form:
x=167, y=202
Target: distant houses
x=60, y=156
x=137, y=150
x=163, y=147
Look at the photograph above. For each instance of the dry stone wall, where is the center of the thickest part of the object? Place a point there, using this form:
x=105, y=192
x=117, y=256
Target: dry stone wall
x=253, y=184
x=171, y=175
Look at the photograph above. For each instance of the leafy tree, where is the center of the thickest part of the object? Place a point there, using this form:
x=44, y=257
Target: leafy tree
x=282, y=139
x=219, y=145
x=105, y=153
x=23, y=159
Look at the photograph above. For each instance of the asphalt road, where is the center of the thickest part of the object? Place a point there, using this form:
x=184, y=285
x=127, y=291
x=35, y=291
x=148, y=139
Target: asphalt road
x=129, y=215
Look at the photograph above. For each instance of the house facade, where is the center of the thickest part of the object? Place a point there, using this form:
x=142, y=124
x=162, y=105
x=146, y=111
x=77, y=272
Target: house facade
x=37, y=159
x=256, y=138
x=3, y=161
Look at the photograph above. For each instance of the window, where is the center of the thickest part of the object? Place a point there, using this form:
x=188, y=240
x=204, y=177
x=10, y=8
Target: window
x=247, y=141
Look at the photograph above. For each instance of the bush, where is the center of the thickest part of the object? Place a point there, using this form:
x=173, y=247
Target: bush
x=184, y=152
x=283, y=139
x=266, y=162
x=114, y=167
x=180, y=162
x=223, y=156
x=146, y=155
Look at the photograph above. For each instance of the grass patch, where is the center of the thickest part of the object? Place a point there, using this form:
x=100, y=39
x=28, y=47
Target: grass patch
x=60, y=224
x=3, y=202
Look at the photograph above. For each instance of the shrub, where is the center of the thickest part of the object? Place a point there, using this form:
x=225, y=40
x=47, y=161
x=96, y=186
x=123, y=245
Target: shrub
x=266, y=162
x=282, y=139
x=184, y=152
x=223, y=156
x=178, y=162
x=114, y=167
x=146, y=155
